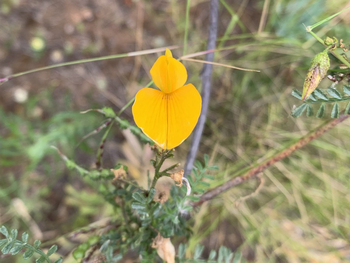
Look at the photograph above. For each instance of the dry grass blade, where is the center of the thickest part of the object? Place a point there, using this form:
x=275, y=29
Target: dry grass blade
x=219, y=64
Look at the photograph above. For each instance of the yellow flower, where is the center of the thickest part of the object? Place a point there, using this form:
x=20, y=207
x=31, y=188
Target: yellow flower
x=168, y=115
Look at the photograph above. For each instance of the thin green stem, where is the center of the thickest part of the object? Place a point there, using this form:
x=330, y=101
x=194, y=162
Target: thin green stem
x=132, y=184
x=317, y=37
x=165, y=171
x=158, y=164
x=126, y=106
x=126, y=218
x=186, y=26
x=156, y=173
x=155, y=179
x=334, y=52
x=340, y=57
x=70, y=163
x=100, y=149
x=327, y=19
x=330, y=100
x=234, y=20
x=38, y=251
x=132, y=100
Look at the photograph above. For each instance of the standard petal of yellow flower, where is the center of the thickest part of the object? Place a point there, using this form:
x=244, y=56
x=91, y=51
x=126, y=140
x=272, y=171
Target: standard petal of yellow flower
x=168, y=53
x=184, y=108
x=168, y=74
x=167, y=118
x=150, y=114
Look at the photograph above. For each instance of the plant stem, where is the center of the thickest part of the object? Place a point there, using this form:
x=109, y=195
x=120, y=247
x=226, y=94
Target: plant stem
x=206, y=83
x=130, y=54
x=327, y=19
x=334, y=52
x=164, y=172
x=38, y=251
x=126, y=106
x=253, y=172
x=310, y=101
x=101, y=147
x=125, y=216
x=158, y=164
x=132, y=100
x=186, y=26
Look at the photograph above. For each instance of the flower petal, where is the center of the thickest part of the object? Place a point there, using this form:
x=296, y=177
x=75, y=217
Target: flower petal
x=168, y=74
x=150, y=114
x=184, y=108
x=168, y=119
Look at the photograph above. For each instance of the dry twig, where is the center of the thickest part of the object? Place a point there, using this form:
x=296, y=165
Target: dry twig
x=206, y=83
x=252, y=173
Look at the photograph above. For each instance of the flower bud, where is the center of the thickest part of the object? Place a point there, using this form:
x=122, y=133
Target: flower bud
x=330, y=41
x=318, y=70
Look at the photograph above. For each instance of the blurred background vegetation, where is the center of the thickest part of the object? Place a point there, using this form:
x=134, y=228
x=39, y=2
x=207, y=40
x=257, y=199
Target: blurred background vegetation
x=301, y=213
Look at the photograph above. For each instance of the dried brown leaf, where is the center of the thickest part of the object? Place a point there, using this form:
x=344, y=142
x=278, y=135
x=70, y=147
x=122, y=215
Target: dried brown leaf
x=165, y=248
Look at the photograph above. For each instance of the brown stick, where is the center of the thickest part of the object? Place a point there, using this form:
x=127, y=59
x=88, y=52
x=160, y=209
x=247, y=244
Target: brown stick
x=252, y=173
x=206, y=84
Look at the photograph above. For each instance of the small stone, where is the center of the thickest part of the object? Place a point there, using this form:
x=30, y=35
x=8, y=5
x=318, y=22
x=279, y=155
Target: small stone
x=68, y=29
x=37, y=112
x=56, y=56
x=37, y=44
x=20, y=95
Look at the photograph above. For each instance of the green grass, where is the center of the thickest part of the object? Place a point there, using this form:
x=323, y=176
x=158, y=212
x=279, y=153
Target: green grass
x=301, y=211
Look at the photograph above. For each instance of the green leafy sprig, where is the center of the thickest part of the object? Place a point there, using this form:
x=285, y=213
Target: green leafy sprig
x=143, y=218
x=331, y=96
x=199, y=178
x=161, y=156
x=222, y=256
x=11, y=245
x=123, y=124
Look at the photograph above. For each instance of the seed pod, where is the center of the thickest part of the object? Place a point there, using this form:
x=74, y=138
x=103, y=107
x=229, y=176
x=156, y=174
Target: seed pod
x=318, y=70
x=177, y=177
x=165, y=248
